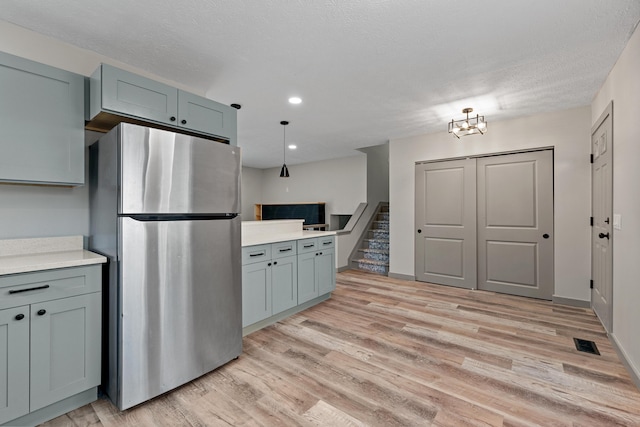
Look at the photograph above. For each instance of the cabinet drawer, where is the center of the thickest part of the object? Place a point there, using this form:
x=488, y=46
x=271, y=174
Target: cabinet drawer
x=257, y=253
x=327, y=242
x=283, y=249
x=30, y=288
x=307, y=245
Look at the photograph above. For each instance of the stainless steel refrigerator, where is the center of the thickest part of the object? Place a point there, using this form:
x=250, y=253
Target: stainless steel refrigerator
x=164, y=209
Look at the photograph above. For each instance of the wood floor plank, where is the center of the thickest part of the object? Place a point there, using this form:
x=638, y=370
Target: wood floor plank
x=389, y=352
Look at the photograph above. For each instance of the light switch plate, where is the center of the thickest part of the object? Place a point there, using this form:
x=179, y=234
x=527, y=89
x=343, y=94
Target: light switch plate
x=617, y=221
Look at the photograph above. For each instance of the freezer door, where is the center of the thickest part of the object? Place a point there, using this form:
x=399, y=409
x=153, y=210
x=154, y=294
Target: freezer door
x=166, y=172
x=181, y=303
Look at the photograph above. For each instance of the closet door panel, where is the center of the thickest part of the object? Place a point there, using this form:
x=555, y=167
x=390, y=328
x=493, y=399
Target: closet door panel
x=446, y=223
x=515, y=224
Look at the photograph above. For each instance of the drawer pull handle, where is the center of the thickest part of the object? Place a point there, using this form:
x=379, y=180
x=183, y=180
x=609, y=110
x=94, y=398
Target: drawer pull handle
x=285, y=250
x=326, y=243
x=42, y=312
x=17, y=291
x=19, y=316
x=309, y=246
x=257, y=254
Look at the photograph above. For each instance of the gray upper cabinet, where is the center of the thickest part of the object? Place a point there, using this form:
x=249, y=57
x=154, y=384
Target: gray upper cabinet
x=42, y=122
x=120, y=91
x=207, y=116
x=117, y=94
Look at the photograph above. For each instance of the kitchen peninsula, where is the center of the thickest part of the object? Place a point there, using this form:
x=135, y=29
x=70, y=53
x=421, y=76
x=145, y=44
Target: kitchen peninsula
x=285, y=269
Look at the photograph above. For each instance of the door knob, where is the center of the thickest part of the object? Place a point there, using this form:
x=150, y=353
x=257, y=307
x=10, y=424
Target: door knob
x=19, y=316
x=41, y=312
x=603, y=235
x=545, y=235
x=183, y=121
x=419, y=231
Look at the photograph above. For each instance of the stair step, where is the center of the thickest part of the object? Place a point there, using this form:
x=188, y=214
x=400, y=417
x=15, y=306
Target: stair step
x=373, y=266
x=377, y=244
x=375, y=254
x=371, y=262
x=380, y=225
x=379, y=234
x=375, y=251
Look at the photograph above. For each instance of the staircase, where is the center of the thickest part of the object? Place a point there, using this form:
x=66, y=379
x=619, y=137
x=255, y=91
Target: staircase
x=373, y=252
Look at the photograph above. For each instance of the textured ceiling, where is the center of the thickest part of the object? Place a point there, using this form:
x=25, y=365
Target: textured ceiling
x=367, y=70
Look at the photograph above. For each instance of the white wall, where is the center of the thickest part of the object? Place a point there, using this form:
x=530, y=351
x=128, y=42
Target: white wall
x=566, y=131
x=341, y=183
x=251, y=191
x=623, y=87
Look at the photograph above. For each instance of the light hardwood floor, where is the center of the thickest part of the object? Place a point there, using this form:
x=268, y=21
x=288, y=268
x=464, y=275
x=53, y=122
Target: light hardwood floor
x=390, y=352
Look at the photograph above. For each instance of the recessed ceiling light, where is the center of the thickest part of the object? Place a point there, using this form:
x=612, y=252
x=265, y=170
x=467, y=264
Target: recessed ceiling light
x=295, y=100
x=292, y=146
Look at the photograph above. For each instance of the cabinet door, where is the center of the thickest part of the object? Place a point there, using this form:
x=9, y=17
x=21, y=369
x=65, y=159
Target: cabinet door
x=284, y=284
x=256, y=292
x=127, y=93
x=307, y=284
x=14, y=363
x=65, y=348
x=326, y=271
x=204, y=115
x=41, y=123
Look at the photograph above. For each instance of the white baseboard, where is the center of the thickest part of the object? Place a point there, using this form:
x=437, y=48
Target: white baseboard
x=631, y=368
x=402, y=276
x=571, y=301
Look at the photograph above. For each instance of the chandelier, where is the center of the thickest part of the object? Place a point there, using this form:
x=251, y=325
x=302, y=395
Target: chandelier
x=468, y=126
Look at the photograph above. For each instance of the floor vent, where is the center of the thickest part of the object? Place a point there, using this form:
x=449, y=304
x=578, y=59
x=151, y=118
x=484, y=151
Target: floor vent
x=586, y=346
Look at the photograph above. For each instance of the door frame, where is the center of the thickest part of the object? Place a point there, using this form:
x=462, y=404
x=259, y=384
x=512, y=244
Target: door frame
x=606, y=113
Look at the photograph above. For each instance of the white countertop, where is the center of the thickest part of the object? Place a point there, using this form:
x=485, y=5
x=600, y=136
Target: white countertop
x=28, y=255
x=272, y=231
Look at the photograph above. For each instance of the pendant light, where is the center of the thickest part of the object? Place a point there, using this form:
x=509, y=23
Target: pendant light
x=284, y=172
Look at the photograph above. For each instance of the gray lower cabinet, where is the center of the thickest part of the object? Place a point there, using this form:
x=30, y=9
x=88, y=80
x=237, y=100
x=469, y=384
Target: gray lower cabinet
x=120, y=92
x=279, y=278
x=269, y=280
x=50, y=338
x=42, y=122
x=256, y=293
x=14, y=365
x=316, y=267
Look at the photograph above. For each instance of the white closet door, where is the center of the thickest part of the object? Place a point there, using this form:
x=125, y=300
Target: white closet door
x=602, y=211
x=515, y=224
x=445, y=212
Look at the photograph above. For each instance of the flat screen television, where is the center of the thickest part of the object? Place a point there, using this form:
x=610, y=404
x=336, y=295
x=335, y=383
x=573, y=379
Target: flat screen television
x=311, y=213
